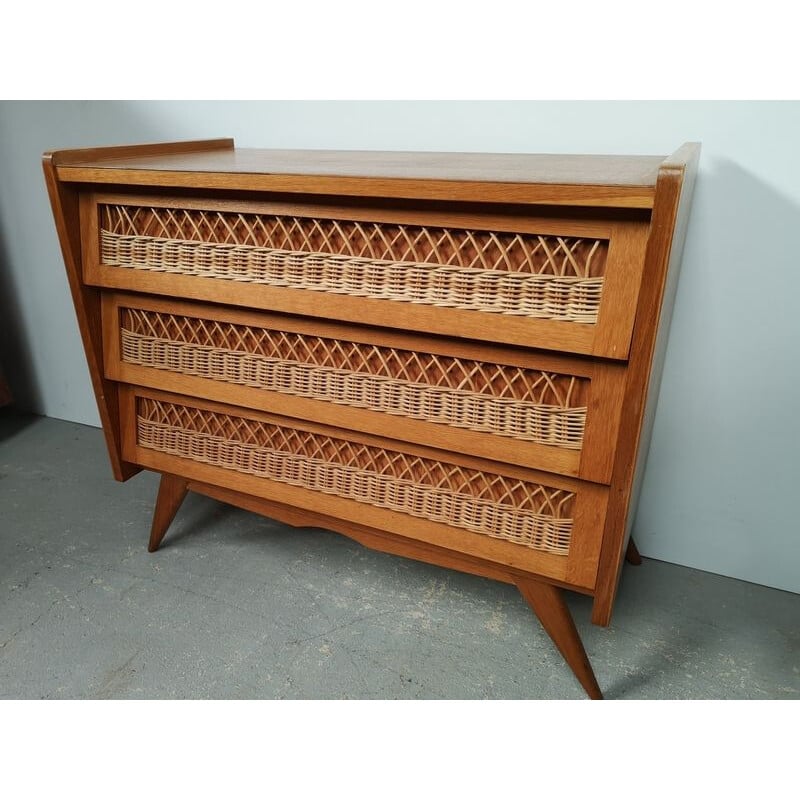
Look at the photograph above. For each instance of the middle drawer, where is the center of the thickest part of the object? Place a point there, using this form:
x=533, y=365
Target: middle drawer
x=559, y=414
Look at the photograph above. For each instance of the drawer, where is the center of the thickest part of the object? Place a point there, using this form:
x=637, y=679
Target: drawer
x=507, y=404
x=562, y=284
x=515, y=517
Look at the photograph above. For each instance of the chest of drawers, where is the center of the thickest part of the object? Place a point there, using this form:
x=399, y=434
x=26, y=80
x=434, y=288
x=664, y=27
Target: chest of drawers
x=450, y=357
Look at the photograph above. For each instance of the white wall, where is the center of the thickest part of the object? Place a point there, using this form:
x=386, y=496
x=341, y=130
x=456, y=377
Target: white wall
x=719, y=487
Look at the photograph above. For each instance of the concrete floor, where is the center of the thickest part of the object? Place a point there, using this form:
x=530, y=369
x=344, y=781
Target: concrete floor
x=238, y=606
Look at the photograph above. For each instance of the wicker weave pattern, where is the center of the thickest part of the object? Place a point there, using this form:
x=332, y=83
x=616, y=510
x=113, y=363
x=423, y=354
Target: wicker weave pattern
x=508, y=401
x=522, y=275
x=374, y=241
x=525, y=513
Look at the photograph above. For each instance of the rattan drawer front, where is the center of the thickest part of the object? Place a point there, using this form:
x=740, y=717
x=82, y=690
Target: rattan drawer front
x=487, y=512
x=418, y=389
x=573, y=289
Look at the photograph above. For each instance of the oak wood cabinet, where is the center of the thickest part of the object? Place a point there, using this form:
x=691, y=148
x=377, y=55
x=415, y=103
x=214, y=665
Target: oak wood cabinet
x=450, y=357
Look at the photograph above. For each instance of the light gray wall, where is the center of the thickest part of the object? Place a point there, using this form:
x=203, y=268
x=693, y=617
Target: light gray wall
x=719, y=487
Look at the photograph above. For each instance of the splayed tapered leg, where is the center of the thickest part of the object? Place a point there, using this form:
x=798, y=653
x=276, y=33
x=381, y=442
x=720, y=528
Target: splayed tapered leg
x=548, y=604
x=632, y=554
x=171, y=492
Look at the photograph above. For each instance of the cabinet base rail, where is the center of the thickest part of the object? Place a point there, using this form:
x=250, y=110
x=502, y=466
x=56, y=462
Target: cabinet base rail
x=545, y=599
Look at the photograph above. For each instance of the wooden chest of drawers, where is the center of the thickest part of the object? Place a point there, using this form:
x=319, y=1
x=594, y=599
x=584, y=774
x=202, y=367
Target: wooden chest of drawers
x=451, y=357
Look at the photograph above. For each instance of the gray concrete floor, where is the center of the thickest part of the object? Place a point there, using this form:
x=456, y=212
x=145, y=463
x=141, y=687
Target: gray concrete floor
x=238, y=606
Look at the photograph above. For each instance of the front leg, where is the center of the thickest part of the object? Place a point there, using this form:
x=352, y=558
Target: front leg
x=548, y=604
x=171, y=492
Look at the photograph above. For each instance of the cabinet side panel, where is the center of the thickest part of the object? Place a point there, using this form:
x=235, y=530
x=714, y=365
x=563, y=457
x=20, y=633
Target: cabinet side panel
x=662, y=336
x=662, y=266
x=65, y=203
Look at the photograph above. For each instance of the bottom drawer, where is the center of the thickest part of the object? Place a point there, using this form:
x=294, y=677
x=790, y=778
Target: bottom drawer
x=509, y=515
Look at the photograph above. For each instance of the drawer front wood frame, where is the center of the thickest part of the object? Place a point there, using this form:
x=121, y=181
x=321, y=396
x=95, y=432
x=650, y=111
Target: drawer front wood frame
x=579, y=567
x=604, y=384
x=609, y=337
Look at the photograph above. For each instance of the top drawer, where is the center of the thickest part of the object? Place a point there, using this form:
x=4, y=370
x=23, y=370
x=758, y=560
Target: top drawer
x=563, y=284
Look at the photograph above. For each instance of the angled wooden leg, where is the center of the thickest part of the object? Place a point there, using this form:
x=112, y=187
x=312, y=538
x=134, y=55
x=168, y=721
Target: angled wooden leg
x=548, y=604
x=171, y=492
x=632, y=554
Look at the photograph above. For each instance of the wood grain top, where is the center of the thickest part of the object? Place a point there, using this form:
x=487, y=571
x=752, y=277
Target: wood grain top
x=489, y=167
x=625, y=181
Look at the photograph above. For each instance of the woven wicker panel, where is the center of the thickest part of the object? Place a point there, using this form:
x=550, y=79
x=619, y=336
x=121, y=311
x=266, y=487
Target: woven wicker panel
x=505, y=508
x=525, y=404
x=550, y=277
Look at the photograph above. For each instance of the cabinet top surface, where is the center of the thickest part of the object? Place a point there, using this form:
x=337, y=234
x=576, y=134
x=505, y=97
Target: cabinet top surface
x=590, y=170
x=576, y=180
